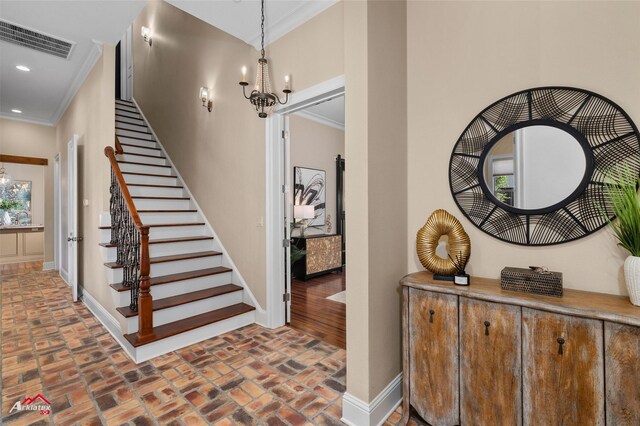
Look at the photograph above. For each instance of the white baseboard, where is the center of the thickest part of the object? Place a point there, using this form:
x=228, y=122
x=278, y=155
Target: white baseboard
x=47, y=266
x=65, y=276
x=110, y=323
x=356, y=412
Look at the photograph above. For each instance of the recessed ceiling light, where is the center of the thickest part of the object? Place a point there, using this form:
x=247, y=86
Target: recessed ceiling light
x=17, y=111
x=23, y=68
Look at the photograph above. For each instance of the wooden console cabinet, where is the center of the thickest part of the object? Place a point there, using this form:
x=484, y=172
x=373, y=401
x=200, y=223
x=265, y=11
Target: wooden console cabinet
x=479, y=355
x=323, y=255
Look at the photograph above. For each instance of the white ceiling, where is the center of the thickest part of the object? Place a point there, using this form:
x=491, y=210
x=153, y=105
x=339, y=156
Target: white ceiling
x=329, y=112
x=241, y=18
x=44, y=93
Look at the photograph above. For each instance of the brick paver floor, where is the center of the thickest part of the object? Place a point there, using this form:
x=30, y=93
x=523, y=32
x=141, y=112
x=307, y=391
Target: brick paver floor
x=252, y=376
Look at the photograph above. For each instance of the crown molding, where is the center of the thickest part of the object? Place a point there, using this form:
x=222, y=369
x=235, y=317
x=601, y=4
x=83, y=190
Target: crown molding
x=83, y=73
x=320, y=119
x=289, y=22
x=27, y=120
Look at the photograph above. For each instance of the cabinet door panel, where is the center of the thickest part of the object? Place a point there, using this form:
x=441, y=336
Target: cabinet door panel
x=9, y=245
x=433, y=342
x=622, y=366
x=33, y=243
x=562, y=386
x=490, y=363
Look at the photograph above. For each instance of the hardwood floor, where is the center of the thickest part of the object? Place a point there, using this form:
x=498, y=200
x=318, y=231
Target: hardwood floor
x=314, y=314
x=20, y=268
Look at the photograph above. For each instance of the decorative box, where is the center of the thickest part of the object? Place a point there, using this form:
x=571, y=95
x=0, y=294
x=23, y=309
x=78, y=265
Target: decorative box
x=531, y=281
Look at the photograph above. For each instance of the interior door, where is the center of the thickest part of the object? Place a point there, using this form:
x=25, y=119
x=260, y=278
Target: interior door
x=288, y=209
x=72, y=214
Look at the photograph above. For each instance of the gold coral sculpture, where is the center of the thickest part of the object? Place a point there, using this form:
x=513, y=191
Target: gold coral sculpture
x=440, y=223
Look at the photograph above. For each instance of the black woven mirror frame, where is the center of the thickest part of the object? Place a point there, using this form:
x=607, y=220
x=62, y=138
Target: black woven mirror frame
x=608, y=137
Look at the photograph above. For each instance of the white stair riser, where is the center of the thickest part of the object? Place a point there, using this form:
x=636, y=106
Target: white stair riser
x=142, y=159
x=150, y=180
x=146, y=136
x=150, y=144
x=126, y=107
x=153, y=191
x=168, y=268
x=121, y=298
x=198, y=307
x=131, y=120
x=130, y=126
x=155, y=204
x=167, y=249
x=163, y=232
x=182, y=340
x=144, y=151
x=127, y=114
x=153, y=218
x=141, y=168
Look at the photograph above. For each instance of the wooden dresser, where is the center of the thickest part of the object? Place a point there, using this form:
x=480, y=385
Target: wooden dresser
x=324, y=255
x=479, y=355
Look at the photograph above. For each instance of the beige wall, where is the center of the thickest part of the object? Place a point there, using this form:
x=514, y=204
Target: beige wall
x=91, y=116
x=316, y=146
x=462, y=57
x=34, y=140
x=220, y=154
x=375, y=59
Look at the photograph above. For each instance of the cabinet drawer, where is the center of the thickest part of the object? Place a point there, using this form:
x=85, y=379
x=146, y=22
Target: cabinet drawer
x=622, y=367
x=563, y=384
x=433, y=346
x=490, y=363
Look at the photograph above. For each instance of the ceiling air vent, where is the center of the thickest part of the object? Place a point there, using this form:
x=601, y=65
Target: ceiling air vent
x=35, y=40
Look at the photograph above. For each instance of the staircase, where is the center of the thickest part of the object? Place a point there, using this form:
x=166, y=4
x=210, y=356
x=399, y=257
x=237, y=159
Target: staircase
x=196, y=292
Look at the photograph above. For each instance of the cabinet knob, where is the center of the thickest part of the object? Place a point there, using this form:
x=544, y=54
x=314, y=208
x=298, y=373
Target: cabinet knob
x=486, y=328
x=561, y=343
x=431, y=314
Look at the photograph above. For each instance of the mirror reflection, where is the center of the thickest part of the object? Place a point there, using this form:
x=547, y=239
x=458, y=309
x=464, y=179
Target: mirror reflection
x=534, y=167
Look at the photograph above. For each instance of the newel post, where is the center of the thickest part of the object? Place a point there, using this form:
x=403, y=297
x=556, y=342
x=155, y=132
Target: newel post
x=145, y=309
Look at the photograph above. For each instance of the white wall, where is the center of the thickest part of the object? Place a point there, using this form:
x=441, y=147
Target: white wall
x=551, y=164
x=36, y=175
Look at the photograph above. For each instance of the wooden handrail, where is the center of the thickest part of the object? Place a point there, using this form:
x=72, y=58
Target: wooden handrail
x=118, y=146
x=145, y=308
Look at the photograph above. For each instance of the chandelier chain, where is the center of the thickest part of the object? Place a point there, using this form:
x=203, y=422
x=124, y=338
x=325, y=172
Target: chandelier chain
x=262, y=28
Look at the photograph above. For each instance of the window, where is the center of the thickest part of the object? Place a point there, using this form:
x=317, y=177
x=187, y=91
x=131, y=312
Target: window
x=15, y=203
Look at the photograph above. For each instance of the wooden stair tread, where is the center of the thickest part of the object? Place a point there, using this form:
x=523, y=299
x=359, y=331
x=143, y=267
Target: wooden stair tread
x=182, y=276
x=139, y=146
x=134, y=131
x=158, y=198
x=155, y=186
x=167, y=240
x=133, y=124
x=143, y=164
x=149, y=174
x=169, y=211
x=181, y=299
x=161, y=225
x=135, y=137
x=171, y=258
x=127, y=110
x=143, y=155
x=191, y=323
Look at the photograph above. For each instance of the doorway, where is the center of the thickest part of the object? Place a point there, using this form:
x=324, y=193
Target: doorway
x=57, y=217
x=316, y=279
x=72, y=215
x=124, y=67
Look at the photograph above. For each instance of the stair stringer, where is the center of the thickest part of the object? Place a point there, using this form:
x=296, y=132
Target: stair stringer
x=248, y=297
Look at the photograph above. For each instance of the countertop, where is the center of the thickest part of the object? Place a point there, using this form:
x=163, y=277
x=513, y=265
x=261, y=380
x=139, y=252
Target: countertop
x=17, y=229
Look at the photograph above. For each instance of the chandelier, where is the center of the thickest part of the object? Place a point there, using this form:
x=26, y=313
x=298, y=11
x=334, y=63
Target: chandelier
x=261, y=96
x=5, y=178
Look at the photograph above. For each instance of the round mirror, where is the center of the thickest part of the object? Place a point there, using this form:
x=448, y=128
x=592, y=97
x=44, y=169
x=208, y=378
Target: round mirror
x=534, y=168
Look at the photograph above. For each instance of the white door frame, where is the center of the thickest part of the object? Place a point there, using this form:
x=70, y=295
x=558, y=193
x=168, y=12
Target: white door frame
x=57, y=215
x=72, y=215
x=276, y=155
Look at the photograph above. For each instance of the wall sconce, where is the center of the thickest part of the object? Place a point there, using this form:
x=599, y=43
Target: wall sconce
x=146, y=34
x=204, y=97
